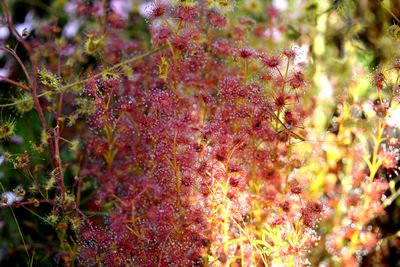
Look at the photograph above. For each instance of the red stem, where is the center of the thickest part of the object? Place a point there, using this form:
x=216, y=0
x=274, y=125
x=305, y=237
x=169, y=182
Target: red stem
x=53, y=147
x=20, y=85
x=59, y=164
x=32, y=82
x=18, y=204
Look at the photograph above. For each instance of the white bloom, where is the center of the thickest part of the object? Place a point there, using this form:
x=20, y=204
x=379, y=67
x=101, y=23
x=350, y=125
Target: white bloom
x=326, y=88
x=4, y=32
x=280, y=4
x=274, y=33
x=301, y=53
x=121, y=7
x=145, y=9
x=27, y=25
x=71, y=28
x=70, y=7
x=393, y=120
x=293, y=174
x=8, y=198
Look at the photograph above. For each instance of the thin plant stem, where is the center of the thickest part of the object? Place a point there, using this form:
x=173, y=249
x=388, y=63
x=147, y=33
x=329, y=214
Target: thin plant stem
x=16, y=222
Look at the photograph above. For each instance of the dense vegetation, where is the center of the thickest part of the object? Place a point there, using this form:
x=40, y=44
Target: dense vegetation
x=199, y=133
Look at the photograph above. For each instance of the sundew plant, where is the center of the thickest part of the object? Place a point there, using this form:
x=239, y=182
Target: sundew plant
x=200, y=133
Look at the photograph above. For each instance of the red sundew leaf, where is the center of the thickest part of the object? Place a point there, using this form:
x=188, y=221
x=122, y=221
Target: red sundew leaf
x=222, y=48
x=186, y=14
x=293, y=134
x=160, y=34
x=297, y=80
x=270, y=61
x=115, y=20
x=158, y=11
x=216, y=19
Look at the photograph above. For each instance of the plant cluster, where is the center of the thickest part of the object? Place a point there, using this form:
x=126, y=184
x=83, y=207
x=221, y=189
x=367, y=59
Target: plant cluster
x=184, y=133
